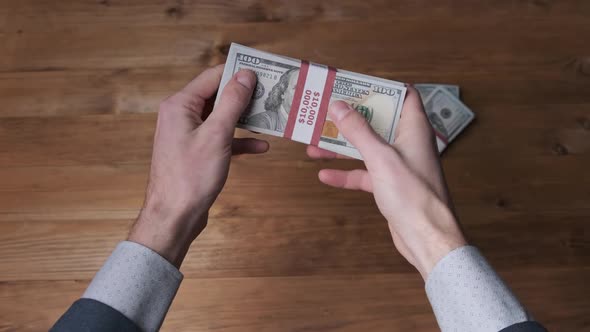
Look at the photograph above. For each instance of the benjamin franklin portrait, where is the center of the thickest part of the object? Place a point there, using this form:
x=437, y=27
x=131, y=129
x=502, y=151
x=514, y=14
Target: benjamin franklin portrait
x=278, y=103
x=438, y=124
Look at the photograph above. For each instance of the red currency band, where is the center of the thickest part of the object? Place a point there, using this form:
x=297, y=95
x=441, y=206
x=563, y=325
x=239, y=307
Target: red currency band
x=323, y=110
x=288, y=133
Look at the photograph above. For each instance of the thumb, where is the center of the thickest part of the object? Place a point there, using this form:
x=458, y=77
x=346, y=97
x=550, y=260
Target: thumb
x=356, y=129
x=233, y=101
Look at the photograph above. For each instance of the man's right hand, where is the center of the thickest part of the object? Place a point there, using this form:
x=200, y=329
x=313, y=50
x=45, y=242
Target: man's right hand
x=406, y=179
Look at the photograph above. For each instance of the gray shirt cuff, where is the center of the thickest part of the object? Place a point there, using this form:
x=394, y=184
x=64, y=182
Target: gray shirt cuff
x=466, y=294
x=138, y=283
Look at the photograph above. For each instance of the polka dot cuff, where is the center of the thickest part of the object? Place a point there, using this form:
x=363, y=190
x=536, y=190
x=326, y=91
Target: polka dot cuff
x=466, y=294
x=138, y=283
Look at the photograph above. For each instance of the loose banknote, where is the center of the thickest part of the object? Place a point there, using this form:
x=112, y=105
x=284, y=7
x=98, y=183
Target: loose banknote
x=447, y=114
x=292, y=96
x=425, y=89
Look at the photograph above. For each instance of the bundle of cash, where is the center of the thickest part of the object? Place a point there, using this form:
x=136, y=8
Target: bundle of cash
x=292, y=96
x=447, y=114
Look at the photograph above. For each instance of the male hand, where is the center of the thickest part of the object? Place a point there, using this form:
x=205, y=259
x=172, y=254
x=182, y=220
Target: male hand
x=190, y=161
x=406, y=179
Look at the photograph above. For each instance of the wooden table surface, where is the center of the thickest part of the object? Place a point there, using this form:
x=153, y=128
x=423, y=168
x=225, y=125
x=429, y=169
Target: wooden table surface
x=80, y=83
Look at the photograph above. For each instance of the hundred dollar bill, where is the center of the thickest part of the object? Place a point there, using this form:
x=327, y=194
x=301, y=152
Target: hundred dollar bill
x=292, y=96
x=425, y=89
x=447, y=114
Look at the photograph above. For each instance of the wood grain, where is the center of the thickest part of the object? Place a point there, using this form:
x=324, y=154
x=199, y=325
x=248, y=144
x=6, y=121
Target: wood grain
x=315, y=303
x=80, y=83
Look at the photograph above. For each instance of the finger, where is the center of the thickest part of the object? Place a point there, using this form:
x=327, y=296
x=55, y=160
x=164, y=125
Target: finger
x=413, y=117
x=248, y=146
x=193, y=96
x=357, y=179
x=415, y=139
x=234, y=98
x=318, y=153
x=356, y=129
x=416, y=142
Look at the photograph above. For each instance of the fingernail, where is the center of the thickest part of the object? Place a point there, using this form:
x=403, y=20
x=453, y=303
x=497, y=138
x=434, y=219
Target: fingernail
x=339, y=109
x=246, y=79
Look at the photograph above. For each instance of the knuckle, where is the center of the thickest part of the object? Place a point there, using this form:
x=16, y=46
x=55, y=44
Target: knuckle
x=235, y=93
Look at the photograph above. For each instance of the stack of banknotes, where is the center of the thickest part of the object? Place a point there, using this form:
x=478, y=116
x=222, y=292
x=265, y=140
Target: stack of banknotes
x=292, y=96
x=447, y=114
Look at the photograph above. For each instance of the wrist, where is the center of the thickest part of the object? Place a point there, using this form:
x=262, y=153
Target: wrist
x=438, y=233
x=438, y=247
x=168, y=233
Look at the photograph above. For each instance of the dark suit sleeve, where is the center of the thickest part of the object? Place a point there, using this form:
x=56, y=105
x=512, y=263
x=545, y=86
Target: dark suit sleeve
x=131, y=292
x=87, y=315
x=525, y=327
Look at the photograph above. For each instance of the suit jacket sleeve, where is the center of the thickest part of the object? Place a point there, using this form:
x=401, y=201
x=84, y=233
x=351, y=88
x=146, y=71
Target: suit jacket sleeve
x=132, y=291
x=525, y=327
x=87, y=315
